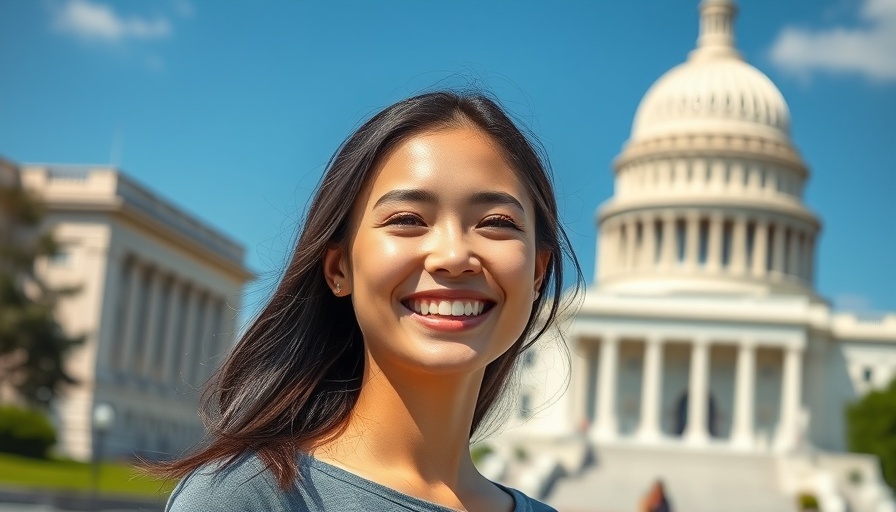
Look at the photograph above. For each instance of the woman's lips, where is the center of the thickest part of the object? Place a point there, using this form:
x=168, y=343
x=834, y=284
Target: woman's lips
x=450, y=315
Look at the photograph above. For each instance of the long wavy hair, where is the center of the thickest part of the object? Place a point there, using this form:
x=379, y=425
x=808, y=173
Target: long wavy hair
x=293, y=378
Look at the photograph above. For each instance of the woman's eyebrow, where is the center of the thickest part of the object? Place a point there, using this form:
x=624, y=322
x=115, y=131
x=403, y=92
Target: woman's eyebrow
x=490, y=197
x=424, y=196
x=405, y=196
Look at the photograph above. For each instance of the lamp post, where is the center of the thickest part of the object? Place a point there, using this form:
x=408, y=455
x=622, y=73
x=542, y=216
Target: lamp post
x=103, y=418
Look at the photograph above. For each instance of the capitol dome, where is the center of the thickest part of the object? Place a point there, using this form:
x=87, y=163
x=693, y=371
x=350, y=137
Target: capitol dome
x=709, y=187
x=713, y=94
x=714, y=90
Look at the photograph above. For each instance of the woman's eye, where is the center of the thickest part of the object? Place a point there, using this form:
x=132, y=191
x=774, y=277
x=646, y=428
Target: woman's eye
x=500, y=221
x=404, y=219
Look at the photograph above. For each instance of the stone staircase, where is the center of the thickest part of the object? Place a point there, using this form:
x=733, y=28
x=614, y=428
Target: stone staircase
x=711, y=481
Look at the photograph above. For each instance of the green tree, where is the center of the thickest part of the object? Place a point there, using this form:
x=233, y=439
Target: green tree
x=871, y=427
x=32, y=345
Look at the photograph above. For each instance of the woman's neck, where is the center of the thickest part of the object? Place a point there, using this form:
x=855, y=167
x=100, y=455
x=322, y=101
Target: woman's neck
x=411, y=432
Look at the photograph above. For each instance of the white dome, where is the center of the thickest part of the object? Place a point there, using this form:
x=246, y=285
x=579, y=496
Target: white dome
x=715, y=91
x=715, y=95
x=708, y=189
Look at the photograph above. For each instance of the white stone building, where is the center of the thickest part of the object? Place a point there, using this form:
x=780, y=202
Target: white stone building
x=158, y=297
x=703, y=288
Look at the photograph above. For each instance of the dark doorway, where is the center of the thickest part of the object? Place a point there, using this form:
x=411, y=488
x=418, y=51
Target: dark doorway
x=681, y=415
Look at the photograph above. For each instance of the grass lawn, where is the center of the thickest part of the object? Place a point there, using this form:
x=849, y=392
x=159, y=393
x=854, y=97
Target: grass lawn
x=116, y=479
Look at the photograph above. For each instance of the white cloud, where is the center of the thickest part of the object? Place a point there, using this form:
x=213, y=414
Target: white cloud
x=869, y=50
x=98, y=22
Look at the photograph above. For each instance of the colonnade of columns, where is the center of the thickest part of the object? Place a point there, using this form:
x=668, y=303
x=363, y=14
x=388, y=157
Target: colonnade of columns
x=167, y=326
x=664, y=176
x=606, y=422
x=688, y=240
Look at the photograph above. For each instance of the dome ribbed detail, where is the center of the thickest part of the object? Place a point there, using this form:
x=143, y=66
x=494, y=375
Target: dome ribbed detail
x=715, y=96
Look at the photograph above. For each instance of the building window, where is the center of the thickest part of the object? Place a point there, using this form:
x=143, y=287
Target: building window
x=727, y=229
x=62, y=258
x=680, y=238
x=751, y=237
x=868, y=374
x=786, y=263
x=703, y=246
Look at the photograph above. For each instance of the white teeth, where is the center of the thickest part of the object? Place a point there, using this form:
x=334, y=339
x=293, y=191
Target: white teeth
x=448, y=307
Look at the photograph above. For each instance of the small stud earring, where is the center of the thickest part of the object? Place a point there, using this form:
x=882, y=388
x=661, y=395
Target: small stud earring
x=338, y=289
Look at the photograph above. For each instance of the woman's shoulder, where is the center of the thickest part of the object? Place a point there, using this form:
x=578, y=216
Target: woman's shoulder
x=524, y=503
x=244, y=485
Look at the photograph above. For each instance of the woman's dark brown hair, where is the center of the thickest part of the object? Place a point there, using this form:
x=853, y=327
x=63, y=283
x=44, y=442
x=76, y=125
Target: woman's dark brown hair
x=292, y=380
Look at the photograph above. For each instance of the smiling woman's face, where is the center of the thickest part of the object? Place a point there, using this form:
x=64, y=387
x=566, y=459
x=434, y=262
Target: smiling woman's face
x=442, y=264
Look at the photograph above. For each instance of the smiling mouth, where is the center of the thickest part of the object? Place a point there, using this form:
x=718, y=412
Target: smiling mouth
x=452, y=308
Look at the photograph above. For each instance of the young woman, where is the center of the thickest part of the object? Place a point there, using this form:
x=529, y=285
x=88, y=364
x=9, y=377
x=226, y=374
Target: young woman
x=431, y=257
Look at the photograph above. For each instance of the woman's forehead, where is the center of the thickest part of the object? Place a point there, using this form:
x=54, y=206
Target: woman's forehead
x=446, y=162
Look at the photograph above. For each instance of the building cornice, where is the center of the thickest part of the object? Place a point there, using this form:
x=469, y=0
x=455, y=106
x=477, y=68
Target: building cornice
x=107, y=191
x=765, y=206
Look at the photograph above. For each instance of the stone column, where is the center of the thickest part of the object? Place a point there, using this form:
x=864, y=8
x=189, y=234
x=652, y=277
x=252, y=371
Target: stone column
x=214, y=336
x=778, y=253
x=698, y=393
x=616, y=245
x=804, y=255
x=738, y=256
x=609, y=249
x=791, y=393
x=202, y=340
x=602, y=253
x=631, y=232
x=151, y=329
x=691, y=256
x=111, y=346
x=606, y=426
x=579, y=384
x=669, y=240
x=717, y=176
x=714, y=249
x=648, y=242
x=651, y=390
x=129, y=342
x=760, y=248
x=793, y=265
x=186, y=345
x=808, y=254
x=744, y=393
x=168, y=356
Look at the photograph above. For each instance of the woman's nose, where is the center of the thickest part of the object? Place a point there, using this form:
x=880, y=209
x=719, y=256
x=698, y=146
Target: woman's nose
x=451, y=252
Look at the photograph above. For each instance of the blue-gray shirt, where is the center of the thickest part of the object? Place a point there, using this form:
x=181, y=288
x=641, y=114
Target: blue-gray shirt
x=247, y=486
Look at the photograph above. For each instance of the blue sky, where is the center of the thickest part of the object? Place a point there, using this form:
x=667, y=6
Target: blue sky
x=232, y=109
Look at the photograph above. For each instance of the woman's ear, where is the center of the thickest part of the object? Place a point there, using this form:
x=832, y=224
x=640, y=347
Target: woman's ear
x=542, y=259
x=336, y=271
